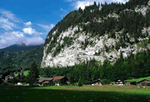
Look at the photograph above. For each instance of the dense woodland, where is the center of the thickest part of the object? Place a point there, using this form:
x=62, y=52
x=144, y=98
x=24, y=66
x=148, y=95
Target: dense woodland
x=20, y=60
x=135, y=66
x=130, y=22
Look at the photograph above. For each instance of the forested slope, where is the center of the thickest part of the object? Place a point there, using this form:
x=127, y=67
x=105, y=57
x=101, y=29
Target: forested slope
x=98, y=32
x=20, y=60
x=135, y=66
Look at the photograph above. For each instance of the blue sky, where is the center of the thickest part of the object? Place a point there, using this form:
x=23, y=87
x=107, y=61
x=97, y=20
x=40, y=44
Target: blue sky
x=29, y=21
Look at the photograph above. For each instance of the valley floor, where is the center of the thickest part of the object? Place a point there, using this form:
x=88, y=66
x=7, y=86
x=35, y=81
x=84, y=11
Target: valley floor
x=75, y=94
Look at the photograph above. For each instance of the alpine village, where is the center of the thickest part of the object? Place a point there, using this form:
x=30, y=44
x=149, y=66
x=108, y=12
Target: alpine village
x=97, y=54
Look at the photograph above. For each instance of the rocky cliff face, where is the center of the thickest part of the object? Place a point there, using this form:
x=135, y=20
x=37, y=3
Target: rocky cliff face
x=100, y=37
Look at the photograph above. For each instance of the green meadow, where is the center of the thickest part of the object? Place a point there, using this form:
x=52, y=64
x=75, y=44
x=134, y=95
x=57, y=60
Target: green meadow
x=139, y=79
x=74, y=94
x=25, y=73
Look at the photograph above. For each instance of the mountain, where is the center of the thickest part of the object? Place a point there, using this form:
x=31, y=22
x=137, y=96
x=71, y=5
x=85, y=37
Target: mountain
x=20, y=58
x=100, y=32
x=17, y=47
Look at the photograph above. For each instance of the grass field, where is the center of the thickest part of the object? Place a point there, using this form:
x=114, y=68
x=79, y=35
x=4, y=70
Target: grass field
x=25, y=73
x=139, y=79
x=75, y=94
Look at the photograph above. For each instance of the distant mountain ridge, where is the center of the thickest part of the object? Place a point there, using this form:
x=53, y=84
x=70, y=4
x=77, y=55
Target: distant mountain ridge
x=21, y=58
x=19, y=47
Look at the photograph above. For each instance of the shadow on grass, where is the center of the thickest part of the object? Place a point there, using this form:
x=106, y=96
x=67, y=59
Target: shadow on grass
x=25, y=94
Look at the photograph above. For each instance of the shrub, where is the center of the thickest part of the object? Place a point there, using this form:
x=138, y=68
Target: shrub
x=80, y=83
x=105, y=81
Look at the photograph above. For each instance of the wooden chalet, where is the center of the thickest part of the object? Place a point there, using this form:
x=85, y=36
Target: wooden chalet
x=46, y=81
x=118, y=82
x=140, y=82
x=60, y=80
x=8, y=78
x=143, y=82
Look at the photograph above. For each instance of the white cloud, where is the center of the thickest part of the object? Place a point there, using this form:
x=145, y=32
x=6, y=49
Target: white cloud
x=2, y=41
x=121, y=1
x=46, y=27
x=28, y=23
x=34, y=41
x=10, y=38
x=82, y=3
x=12, y=35
x=8, y=20
x=6, y=24
x=61, y=9
x=29, y=30
x=69, y=0
x=18, y=34
x=3, y=44
x=9, y=15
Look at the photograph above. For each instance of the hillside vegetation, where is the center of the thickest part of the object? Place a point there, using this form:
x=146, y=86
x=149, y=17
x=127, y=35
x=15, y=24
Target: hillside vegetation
x=107, y=41
x=17, y=48
x=98, y=32
x=20, y=60
x=134, y=66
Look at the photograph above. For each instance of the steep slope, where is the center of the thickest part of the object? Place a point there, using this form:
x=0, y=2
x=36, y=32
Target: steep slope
x=99, y=32
x=17, y=47
x=13, y=61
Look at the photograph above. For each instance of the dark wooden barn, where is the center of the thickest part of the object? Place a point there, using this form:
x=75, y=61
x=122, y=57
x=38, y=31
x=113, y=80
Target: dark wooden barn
x=60, y=80
x=46, y=81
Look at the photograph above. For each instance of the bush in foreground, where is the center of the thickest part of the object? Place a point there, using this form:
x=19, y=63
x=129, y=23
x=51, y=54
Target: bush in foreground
x=80, y=83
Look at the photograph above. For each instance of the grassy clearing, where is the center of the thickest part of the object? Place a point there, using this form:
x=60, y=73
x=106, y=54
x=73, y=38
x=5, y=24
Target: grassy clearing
x=75, y=94
x=25, y=73
x=106, y=88
x=139, y=79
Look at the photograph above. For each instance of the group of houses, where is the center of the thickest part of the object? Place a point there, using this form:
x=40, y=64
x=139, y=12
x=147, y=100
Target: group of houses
x=42, y=81
x=62, y=80
x=141, y=82
x=96, y=82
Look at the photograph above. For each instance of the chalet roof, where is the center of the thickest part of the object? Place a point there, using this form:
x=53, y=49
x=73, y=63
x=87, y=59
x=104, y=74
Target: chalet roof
x=45, y=79
x=58, y=77
x=9, y=76
x=139, y=79
x=118, y=80
x=98, y=80
x=143, y=80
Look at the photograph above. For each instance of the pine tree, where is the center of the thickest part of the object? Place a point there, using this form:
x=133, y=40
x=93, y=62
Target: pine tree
x=80, y=10
x=94, y=3
x=33, y=74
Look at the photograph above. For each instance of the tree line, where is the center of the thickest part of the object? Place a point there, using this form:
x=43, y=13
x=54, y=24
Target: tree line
x=134, y=66
x=130, y=22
